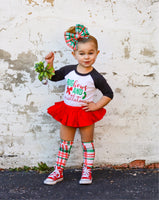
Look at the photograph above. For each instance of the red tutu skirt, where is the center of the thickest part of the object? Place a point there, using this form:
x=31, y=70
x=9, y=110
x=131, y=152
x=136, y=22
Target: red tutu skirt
x=74, y=116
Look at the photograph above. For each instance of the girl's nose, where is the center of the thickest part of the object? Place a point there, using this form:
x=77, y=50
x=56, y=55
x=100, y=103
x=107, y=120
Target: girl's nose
x=86, y=56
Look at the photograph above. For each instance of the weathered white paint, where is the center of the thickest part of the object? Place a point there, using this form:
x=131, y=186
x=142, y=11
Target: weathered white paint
x=127, y=31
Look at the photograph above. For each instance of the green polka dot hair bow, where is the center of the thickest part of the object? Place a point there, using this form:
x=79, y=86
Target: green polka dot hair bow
x=71, y=39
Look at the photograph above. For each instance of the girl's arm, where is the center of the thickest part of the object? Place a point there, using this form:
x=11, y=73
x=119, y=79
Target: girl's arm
x=92, y=106
x=58, y=75
x=49, y=59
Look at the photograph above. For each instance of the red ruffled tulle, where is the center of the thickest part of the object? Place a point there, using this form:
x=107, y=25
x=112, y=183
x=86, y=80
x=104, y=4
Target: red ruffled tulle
x=74, y=116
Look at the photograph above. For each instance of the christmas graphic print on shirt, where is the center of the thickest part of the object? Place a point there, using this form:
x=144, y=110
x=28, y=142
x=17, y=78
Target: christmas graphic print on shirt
x=81, y=87
x=78, y=88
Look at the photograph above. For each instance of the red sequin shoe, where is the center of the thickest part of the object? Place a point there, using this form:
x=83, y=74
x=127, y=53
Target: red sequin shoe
x=55, y=176
x=86, y=176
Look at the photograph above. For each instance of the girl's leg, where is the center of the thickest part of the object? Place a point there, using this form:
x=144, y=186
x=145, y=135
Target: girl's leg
x=88, y=153
x=67, y=136
x=87, y=133
x=67, y=133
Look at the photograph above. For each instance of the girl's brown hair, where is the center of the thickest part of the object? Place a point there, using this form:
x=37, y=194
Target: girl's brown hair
x=84, y=40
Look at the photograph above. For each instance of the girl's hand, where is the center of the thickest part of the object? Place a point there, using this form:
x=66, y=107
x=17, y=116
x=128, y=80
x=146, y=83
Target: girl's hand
x=49, y=59
x=89, y=106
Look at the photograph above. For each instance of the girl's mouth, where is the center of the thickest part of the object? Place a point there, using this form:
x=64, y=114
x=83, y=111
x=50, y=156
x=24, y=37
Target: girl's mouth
x=87, y=62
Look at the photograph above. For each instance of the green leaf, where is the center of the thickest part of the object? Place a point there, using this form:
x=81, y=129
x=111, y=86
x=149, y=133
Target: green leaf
x=40, y=77
x=44, y=71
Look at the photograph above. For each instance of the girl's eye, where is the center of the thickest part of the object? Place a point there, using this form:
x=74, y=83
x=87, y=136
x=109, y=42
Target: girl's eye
x=81, y=54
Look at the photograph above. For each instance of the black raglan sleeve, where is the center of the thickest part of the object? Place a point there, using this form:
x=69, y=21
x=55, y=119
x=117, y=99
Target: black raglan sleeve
x=101, y=84
x=62, y=72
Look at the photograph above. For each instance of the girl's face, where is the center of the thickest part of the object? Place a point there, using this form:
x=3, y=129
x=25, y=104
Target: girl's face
x=86, y=54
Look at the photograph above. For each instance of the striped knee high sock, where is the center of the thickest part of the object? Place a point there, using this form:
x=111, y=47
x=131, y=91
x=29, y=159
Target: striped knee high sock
x=64, y=152
x=88, y=153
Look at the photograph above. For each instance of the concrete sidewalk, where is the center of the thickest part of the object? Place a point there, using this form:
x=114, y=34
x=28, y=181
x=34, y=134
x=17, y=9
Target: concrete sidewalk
x=108, y=184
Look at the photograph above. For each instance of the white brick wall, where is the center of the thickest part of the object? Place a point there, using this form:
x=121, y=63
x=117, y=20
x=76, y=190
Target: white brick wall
x=127, y=32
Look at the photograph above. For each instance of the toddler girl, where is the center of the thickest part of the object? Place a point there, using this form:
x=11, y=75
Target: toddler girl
x=78, y=109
